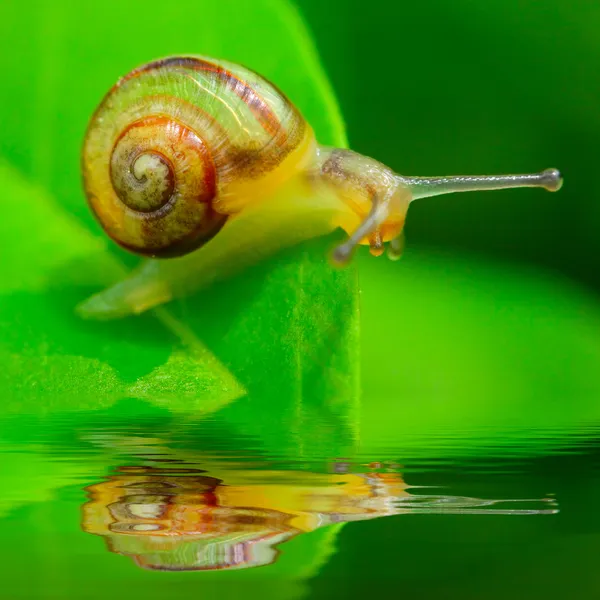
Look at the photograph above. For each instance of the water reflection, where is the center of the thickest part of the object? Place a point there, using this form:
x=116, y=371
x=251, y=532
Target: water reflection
x=187, y=518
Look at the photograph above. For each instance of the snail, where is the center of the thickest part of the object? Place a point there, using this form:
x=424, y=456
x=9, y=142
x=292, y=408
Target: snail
x=209, y=165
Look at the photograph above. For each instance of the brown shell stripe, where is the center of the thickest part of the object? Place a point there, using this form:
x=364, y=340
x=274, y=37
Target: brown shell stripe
x=259, y=108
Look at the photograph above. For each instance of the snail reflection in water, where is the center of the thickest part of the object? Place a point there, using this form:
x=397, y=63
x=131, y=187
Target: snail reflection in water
x=185, y=519
x=170, y=519
x=207, y=163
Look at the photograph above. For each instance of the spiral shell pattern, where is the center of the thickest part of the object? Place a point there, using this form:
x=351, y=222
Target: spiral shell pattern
x=179, y=145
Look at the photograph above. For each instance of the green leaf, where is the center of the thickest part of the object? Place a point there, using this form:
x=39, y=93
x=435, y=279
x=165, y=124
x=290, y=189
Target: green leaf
x=283, y=334
x=52, y=360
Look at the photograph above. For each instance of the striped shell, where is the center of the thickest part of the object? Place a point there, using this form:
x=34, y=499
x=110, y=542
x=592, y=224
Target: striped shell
x=180, y=144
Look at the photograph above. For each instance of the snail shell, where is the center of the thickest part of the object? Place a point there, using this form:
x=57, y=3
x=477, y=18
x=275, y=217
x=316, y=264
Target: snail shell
x=179, y=145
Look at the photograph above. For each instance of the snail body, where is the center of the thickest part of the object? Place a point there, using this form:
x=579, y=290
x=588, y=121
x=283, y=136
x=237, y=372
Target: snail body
x=207, y=163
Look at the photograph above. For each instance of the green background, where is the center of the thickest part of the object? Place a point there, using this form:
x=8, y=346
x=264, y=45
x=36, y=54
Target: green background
x=458, y=87
x=476, y=365
x=492, y=315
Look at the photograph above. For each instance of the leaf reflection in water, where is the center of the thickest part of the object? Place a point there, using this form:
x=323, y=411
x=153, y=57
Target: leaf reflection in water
x=183, y=519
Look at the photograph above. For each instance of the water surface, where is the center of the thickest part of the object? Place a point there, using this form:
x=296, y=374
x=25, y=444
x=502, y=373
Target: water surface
x=108, y=505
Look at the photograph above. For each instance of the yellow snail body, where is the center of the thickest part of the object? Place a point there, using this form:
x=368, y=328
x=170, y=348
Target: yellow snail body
x=206, y=163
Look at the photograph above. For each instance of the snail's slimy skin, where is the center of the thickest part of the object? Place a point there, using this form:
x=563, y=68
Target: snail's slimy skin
x=208, y=164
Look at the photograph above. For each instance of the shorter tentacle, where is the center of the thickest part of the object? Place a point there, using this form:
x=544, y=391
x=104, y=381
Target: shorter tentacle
x=374, y=220
x=396, y=247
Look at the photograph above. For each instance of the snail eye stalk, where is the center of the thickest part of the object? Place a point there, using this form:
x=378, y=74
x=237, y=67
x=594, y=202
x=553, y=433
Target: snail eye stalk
x=425, y=187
